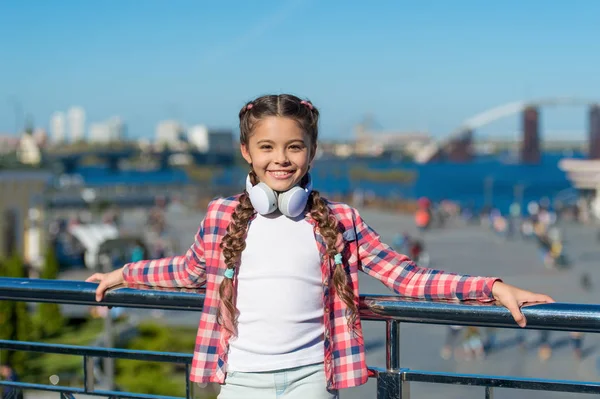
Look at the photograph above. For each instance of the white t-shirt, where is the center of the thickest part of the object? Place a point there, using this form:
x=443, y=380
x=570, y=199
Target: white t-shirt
x=279, y=297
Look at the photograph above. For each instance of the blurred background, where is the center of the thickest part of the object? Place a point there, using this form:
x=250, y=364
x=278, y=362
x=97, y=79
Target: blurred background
x=467, y=132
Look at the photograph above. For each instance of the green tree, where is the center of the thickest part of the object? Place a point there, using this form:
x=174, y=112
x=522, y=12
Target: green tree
x=49, y=319
x=155, y=377
x=7, y=309
x=15, y=320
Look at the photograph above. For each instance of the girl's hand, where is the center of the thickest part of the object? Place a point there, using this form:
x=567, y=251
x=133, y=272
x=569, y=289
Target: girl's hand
x=106, y=281
x=513, y=298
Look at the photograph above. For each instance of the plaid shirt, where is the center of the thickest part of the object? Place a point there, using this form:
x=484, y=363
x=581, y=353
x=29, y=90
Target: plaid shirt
x=345, y=365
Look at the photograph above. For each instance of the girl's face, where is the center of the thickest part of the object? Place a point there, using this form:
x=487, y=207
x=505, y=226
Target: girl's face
x=279, y=151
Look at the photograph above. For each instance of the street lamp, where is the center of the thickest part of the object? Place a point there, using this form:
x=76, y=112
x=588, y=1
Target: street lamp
x=89, y=196
x=109, y=363
x=488, y=184
x=18, y=110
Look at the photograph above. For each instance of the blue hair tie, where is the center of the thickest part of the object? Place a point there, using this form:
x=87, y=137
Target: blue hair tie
x=337, y=259
x=229, y=273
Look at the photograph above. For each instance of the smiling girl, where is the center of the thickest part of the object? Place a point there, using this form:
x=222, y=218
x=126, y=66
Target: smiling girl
x=280, y=266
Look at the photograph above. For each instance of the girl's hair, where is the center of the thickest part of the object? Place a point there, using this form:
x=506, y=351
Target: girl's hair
x=234, y=241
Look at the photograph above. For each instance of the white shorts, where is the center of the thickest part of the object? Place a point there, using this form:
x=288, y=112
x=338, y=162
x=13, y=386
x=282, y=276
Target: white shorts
x=305, y=382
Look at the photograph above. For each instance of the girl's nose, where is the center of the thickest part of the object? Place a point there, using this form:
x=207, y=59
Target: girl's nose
x=282, y=157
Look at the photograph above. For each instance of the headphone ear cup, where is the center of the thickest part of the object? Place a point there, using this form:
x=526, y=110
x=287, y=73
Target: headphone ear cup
x=263, y=198
x=293, y=202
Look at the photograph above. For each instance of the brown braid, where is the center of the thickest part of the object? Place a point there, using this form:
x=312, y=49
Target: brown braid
x=234, y=241
x=232, y=245
x=328, y=227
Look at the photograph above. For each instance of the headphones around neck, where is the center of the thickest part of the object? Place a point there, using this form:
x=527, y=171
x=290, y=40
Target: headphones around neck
x=291, y=202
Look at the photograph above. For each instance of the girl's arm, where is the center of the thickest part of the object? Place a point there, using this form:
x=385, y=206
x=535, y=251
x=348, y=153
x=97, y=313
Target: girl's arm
x=187, y=271
x=401, y=274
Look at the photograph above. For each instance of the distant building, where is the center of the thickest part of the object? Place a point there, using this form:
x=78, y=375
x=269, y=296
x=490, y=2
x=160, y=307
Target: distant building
x=57, y=127
x=594, y=139
x=8, y=143
x=29, y=152
x=198, y=137
x=221, y=141
x=584, y=175
x=375, y=143
x=76, y=119
x=99, y=133
x=113, y=130
x=169, y=133
x=26, y=190
x=117, y=128
x=41, y=137
x=207, y=140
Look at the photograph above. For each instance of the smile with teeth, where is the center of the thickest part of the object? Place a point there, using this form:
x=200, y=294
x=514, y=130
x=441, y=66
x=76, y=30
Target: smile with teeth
x=281, y=174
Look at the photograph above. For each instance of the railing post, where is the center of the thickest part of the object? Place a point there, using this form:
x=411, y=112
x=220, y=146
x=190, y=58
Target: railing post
x=109, y=362
x=489, y=393
x=392, y=345
x=188, y=386
x=390, y=385
x=88, y=374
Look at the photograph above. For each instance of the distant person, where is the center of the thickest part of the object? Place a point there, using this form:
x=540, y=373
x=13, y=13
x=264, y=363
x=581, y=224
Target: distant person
x=416, y=251
x=515, y=210
x=545, y=248
x=452, y=335
x=545, y=349
x=422, y=219
x=280, y=249
x=137, y=254
x=8, y=374
x=402, y=242
x=576, y=339
x=586, y=281
x=473, y=344
x=423, y=214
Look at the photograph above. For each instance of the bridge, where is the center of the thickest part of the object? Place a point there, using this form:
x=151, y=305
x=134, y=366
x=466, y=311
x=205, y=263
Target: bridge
x=70, y=161
x=457, y=147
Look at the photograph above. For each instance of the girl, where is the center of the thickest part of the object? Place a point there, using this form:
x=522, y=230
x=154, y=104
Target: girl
x=280, y=267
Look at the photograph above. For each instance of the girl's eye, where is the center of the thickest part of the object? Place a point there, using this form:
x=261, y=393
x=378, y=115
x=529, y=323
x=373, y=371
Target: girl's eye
x=296, y=147
x=265, y=147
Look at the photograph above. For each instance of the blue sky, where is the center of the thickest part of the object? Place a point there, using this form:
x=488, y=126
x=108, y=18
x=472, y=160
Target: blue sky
x=413, y=65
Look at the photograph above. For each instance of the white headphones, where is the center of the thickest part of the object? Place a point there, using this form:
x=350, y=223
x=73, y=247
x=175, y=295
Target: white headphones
x=291, y=203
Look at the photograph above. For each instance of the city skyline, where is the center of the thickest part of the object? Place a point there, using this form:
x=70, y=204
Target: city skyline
x=414, y=67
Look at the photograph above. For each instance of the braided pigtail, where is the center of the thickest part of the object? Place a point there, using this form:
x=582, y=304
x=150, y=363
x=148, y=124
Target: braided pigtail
x=328, y=227
x=232, y=245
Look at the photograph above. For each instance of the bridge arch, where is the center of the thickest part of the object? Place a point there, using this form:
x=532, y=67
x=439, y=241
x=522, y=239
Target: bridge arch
x=493, y=114
x=463, y=134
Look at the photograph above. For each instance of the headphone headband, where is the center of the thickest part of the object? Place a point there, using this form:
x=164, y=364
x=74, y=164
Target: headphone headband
x=291, y=202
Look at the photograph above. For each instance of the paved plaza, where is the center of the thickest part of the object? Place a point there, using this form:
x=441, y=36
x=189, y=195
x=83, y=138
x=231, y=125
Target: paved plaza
x=477, y=251
x=474, y=250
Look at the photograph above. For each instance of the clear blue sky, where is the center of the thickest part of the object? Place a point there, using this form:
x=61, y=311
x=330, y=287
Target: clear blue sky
x=412, y=64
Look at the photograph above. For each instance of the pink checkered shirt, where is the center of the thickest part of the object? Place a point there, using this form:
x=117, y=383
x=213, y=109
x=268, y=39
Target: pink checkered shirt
x=345, y=366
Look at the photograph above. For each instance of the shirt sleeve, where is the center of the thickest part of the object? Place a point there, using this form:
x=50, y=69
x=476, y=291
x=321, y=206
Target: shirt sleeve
x=184, y=271
x=399, y=273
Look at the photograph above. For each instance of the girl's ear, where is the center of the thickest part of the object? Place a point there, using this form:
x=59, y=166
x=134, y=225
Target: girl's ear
x=246, y=153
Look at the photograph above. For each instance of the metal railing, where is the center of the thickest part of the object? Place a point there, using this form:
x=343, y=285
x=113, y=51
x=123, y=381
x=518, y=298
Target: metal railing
x=392, y=382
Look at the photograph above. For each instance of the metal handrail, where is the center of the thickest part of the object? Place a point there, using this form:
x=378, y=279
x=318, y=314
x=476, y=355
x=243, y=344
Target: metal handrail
x=392, y=382
x=555, y=316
